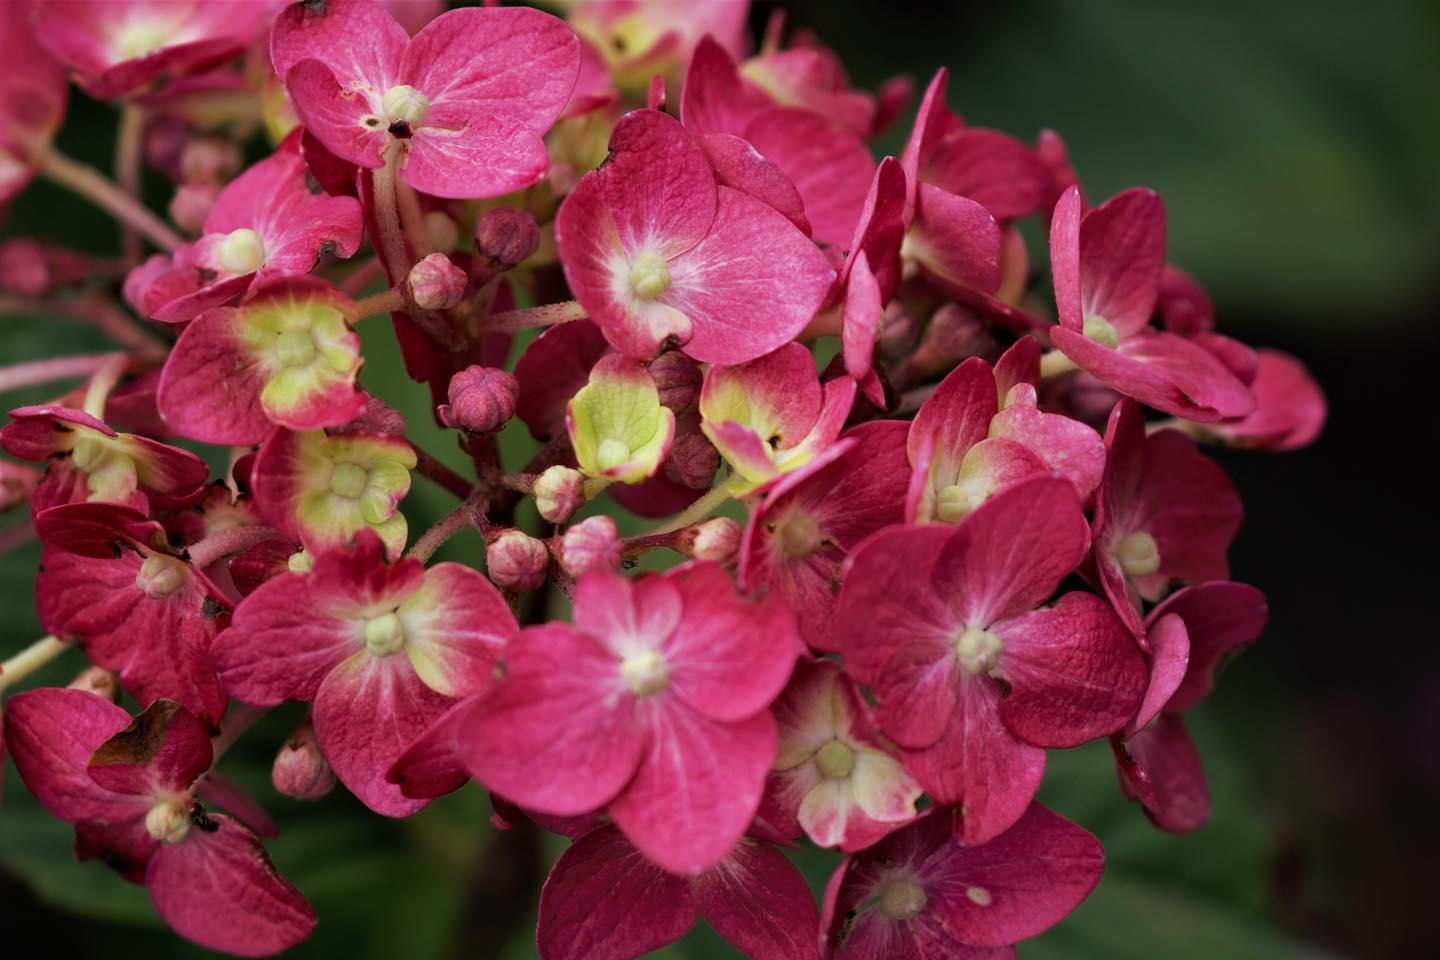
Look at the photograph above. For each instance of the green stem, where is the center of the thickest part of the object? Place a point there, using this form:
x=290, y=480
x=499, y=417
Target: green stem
x=129, y=145
x=30, y=659
x=93, y=186
x=547, y=316
x=697, y=511
x=102, y=383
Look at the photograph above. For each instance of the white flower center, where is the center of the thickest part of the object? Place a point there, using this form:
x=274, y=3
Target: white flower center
x=168, y=821
x=649, y=276
x=242, y=251
x=978, y=650
x=404, y=104
x=1138, y=554
x=644, y=673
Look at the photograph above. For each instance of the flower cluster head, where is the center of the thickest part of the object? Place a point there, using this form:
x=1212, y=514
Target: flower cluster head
x=917, y=519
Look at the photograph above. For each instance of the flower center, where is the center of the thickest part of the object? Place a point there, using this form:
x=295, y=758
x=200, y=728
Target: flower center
x=139, y=37
x=296, y=348
x=957, y=501
x=168, y=821
x=348, y=480
x=160, y=576
x=901, y=899
x=1102, y=331
x=611, y=453
x=384, y=635
x=835, y=760
x=404, y=104
x=1138, y=554
x=644, y=673
x=978, y=650
x=649, y=276
x=242, y=251
x=800, y=535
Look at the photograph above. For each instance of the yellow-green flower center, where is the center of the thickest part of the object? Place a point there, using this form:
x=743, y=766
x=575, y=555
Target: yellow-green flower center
x=644, y=673
x=348, y=480
x=649, y=276
x=384, y=635
x=901, y=898
x=296, y=348
x=168, y=821
x=1102, y=331
x=800, y=535
x=978, y=650
x=404, y=104
x=160, y=576
x=242, y=251
x=835, y=760
x=611, y=453
x=1138, y=554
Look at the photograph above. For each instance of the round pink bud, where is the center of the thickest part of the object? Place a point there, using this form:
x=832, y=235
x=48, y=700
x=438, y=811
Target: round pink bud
x=716, y=540
x=300, y=769
x=899, y=332
x=678, y=379
x=436, y=283
x=24, y=268
x=692, y=461
x=99, y=681
x=954, y=332
x=482, y=400
x=209, y=160
x=191, y=205
x=591, y=544
x=506, y=237
x=517, y=561
x=559, y=492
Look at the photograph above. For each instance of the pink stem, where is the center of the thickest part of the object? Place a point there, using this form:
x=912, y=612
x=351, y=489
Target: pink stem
x=44, y=371
x=227, y=542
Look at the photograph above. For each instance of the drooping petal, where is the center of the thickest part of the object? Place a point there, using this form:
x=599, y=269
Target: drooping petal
x=51, y=733
x=1169, y=650
x=1171, y=786
x=1221, y=618
x=757, y=900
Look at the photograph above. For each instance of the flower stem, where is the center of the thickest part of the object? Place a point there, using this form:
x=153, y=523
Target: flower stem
x=59, y=368
x=102, y=383
x=412, y=220
x=697, y=511
x=546, y=316
x=30, y=659
x=382, y=302
x=93, y=186
x=436, y=472
x=227, y=542
x=391, y=236
x=94, y=310
x=470, y=513
x=361, y=277
x=129, y=142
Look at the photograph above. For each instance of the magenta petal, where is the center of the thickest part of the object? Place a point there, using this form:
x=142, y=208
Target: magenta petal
x=368, y=711
x=1019, y=884
x=739, y=165
x=1221, y=618
x=989, y=167
x=210, y=387
x=1290, y=408
x=604, y=901
x=1065, y=258
x=552, y=369
x=51, y=733
x=456, y=627
x=714, y=99
x=1169, y=658
x=1122, y=253
x=1070, y=448
x=828, y=164
x=334, y=114
x=758, y=901
x=698, y=785
x=957, y=415
x=657, y=185
x=557, y=735
x=219, y=889
x=881, y=229
x=1074, y=672
x=360, y=40
x=432, y=765
x=979, y=766
x=162, y=751
x=1168, y=759
x=955, y=240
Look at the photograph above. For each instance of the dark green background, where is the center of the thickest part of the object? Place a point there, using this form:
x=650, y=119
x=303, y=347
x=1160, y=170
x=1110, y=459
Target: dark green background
x=1296, y=146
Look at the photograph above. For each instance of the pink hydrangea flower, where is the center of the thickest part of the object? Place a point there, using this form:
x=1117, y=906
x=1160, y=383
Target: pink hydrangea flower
x=32, y=99
x=606, y=900
x=642, y=38
x=952, y=614
x=1107, y=268
x=1164, y=512
x=265, y=224
x=653, y=706
x=654, y=249
x=920, y=894
x=1190, y=635
x=798, y=536
x=115, y=47
x=834, y=778
x=465, y=101
x=1290, y=408
x=381, y=651
x=130, y=788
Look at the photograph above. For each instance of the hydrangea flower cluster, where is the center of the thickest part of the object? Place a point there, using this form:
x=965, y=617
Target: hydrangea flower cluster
x=976, y=522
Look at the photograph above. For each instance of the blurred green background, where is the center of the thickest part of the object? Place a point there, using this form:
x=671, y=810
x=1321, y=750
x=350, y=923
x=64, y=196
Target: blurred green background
x=1296, y=145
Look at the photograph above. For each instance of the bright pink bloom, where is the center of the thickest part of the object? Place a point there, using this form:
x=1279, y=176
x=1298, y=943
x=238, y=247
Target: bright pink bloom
x=797, y=537
x=117, y=46
x=812, y=78
x=265, y=224
x=1191, y=635
x=91, y=462
x=605, y=900
x=381, y=651
x=919, y=894
x=642, y=39
x=828, y=164
x=971, y=676
x=129, y=787
x=770, y=416
x=110, y=579
x=465, y=102
x=1290, y=408
x=32, y=99
x=1164, y=512
x=1107, y=267
x=1185, y=309
x=653, y=705
x=834, y=778
x=654, y=249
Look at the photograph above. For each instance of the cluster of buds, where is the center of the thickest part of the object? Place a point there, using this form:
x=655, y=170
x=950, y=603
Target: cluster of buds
x=861, y=638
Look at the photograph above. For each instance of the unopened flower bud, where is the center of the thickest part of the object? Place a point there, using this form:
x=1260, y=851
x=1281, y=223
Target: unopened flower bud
x=692, y=462
x=716, y=540
x=208, y=160
x=506, y=237
x=436, y=283
x=678, y=379
x=99, y=681
x=482, y=400
x=899, y=332
x=953, y=334
x=517, y=561
x=559, y=492
x=24, y=268
x=300, y=770
x=591, y=544
x=191, y=205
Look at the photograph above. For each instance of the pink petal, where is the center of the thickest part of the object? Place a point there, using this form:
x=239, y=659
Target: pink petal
x=860, y=321
x=210, y=388
x=456, y=627
x=557, y=735
x=627, y=615
x=1070, y=448
x=51, y=733
x=739, y=165
x=991, y=168
x=334, y=114
x=932, y=121
x=758, y=901
x=552, y=369
x=881, y=228
x=1290, y=408
x=368, y=710
x=1221, y=618
x=359, y=40
x=432, y=765
x=698, y=785
x=1166, y=758
x=957, y=415
x=1122, y=252
x=277, y=647
x=714, y=100
x=1065, y=259
x=221, y=791
x=1074, y=672
x=658, y=185
x=604, y=900
x=161, y=752
x=955, y=240
x=828, y=164
x=219, y=889
x=1169, y=656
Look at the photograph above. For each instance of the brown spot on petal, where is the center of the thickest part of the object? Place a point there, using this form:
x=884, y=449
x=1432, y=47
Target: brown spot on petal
x=140, y=742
